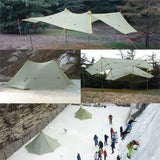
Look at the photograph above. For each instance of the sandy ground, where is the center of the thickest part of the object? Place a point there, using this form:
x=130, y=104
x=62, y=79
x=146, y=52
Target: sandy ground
x=110, y=97
x=69, y=95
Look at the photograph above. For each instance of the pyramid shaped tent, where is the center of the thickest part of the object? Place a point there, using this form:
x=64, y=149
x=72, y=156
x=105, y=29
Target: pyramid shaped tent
x=82, y=114
x=42, y=144
x=40, y=76
x=118, y=68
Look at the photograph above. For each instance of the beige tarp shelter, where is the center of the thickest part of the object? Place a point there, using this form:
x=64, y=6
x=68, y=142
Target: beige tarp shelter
x=118, y=68
x=40, y=76
x=83, y=22
x=42, y=144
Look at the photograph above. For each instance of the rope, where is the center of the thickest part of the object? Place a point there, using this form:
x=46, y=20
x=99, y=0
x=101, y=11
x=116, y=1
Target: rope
x=143, y=33
x=59, y=38
x=96, y=36
x=131, y=41
x=8, y=25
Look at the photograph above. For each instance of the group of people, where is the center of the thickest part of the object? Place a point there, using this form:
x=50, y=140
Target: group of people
x=114, y=139
x=98, y=154
x=131, y=144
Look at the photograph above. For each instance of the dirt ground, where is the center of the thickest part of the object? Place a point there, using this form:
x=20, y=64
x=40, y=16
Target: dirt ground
x=75, y=40
x=111, y=97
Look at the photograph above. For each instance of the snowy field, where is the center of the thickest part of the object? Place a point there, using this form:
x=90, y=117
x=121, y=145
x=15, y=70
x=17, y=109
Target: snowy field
x=69, y=95
x=80, y=133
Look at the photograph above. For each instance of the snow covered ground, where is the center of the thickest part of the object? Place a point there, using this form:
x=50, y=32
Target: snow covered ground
x=69, y=95
x=79, y=135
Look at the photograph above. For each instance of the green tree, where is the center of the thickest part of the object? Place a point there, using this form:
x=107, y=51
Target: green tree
x=144, y=15
x=13, y=10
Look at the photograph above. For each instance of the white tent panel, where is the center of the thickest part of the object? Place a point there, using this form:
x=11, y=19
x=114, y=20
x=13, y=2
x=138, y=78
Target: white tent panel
x=115, y=20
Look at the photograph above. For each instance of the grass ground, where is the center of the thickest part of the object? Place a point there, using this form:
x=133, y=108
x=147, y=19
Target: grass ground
x=149, y=92
x=92, y=95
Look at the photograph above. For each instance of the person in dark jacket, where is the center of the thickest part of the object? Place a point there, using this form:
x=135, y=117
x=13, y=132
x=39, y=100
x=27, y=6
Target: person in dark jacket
x=121, y=131
x=112, y=146
x=131, y=121
x=101, y=145
x=95, y=139
x=105, y=139
x=118, y=157
x=78, y=156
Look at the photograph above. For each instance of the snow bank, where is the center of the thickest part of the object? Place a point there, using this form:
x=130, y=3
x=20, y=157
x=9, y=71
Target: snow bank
x=147, y=131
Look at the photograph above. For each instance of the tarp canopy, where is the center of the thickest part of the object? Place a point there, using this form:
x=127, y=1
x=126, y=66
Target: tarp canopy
x=42, y=144
x=82, y=114
x=118, y=68
x=40, y=76
x=83, y=22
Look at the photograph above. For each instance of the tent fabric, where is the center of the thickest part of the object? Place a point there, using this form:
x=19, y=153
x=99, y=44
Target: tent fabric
x=83, y=22
x=82, y=114
x=40, y=76
x=42, y=144
x=67, y=20
x=117, y=21
x=118, y=68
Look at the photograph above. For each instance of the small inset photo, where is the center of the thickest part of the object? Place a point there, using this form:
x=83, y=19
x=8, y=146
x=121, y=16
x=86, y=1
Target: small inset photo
x=120, y=76
x=41, y=76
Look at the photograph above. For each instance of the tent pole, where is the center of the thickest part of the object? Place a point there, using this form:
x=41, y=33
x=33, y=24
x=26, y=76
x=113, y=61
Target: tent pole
x=88, y=41
x=66, y=38
x=30, y=37
x=83, y=77
x=147, y=83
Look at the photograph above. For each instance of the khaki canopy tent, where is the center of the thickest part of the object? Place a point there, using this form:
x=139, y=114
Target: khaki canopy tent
x=82, y=114
x=118, y=68
x=42, y=144
x=83, y=22
x=40, y=76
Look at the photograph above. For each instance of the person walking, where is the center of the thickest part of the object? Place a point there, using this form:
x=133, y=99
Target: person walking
x=101, y=145
x=110, y=117
x=112, y=146
x=95, y=139
x=78, y=156
x=105, y=139
x=105, y=154
x=99, y=154
x=96, y=155
x=121, y=131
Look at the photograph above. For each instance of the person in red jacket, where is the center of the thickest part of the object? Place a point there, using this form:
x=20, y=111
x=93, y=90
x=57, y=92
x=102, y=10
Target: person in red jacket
x=105, y=154
x=112, y=131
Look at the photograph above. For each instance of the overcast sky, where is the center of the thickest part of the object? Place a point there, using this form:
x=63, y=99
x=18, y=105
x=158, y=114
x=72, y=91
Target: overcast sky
x=140, y=54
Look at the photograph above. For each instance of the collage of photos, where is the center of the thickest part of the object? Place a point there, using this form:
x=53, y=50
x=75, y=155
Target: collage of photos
x=79, y=80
